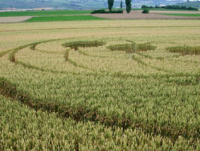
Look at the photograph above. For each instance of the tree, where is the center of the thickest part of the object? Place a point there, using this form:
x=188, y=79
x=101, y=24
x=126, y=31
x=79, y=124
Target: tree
x=128, y=6
x=145, y=11
x=110, y=4
x=121, y=4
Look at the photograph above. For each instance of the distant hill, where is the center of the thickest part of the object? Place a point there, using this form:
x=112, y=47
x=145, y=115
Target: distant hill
x=190, y=4
x=77, y=4
x=60, y=4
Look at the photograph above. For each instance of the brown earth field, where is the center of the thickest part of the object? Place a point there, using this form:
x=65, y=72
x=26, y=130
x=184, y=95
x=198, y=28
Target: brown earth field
x=138, y=15
x=14, y=19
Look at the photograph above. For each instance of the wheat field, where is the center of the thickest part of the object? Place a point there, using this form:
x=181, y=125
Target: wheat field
x=62, y=87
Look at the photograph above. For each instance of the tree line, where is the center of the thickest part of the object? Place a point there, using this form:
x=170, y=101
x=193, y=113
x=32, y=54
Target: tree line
x=171, y=7
x=127, y=2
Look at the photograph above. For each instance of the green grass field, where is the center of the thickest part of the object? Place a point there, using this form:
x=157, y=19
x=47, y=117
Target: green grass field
x=44, y=13
x=187, y=15
x=62, y=12
x=64, y=18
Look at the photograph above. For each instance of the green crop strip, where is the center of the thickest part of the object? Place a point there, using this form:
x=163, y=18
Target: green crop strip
x=63, y=18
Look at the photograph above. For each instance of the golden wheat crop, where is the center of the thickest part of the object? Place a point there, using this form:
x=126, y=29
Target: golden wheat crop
x=141, y=100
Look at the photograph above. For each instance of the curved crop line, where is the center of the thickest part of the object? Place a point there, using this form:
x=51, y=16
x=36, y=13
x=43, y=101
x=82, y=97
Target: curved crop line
x=168, y=58
x=171, y=73
x=5, y=52
x=115, y=75
x=85, y=54
x=49, y=52
x=14, y=50
x=86, y=68
x=88, y=55
x=79, y=65
x=153, y=67
x=103, y=73
x=157, y=58
x=83, y=113
x=33, y=47
x=29, y=66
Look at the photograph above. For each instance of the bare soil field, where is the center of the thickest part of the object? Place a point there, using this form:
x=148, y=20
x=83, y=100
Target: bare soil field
x=174, y=12
x=14, y=19
x=137, y=15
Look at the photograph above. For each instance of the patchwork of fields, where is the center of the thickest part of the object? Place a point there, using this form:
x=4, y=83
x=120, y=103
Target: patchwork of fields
x=100, y=85
x=85, y=15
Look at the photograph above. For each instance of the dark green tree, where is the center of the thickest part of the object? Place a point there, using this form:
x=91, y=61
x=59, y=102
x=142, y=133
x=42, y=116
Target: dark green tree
x=128, y=6
x=121, y=4
x=110, y=4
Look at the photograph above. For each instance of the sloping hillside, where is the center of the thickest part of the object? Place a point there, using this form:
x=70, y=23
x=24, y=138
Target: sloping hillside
x=66, y=4
x=78, y=4
x=191, y=4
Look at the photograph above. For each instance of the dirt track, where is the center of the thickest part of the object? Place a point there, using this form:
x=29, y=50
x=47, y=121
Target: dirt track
x=14, y=19
x=136, y=15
